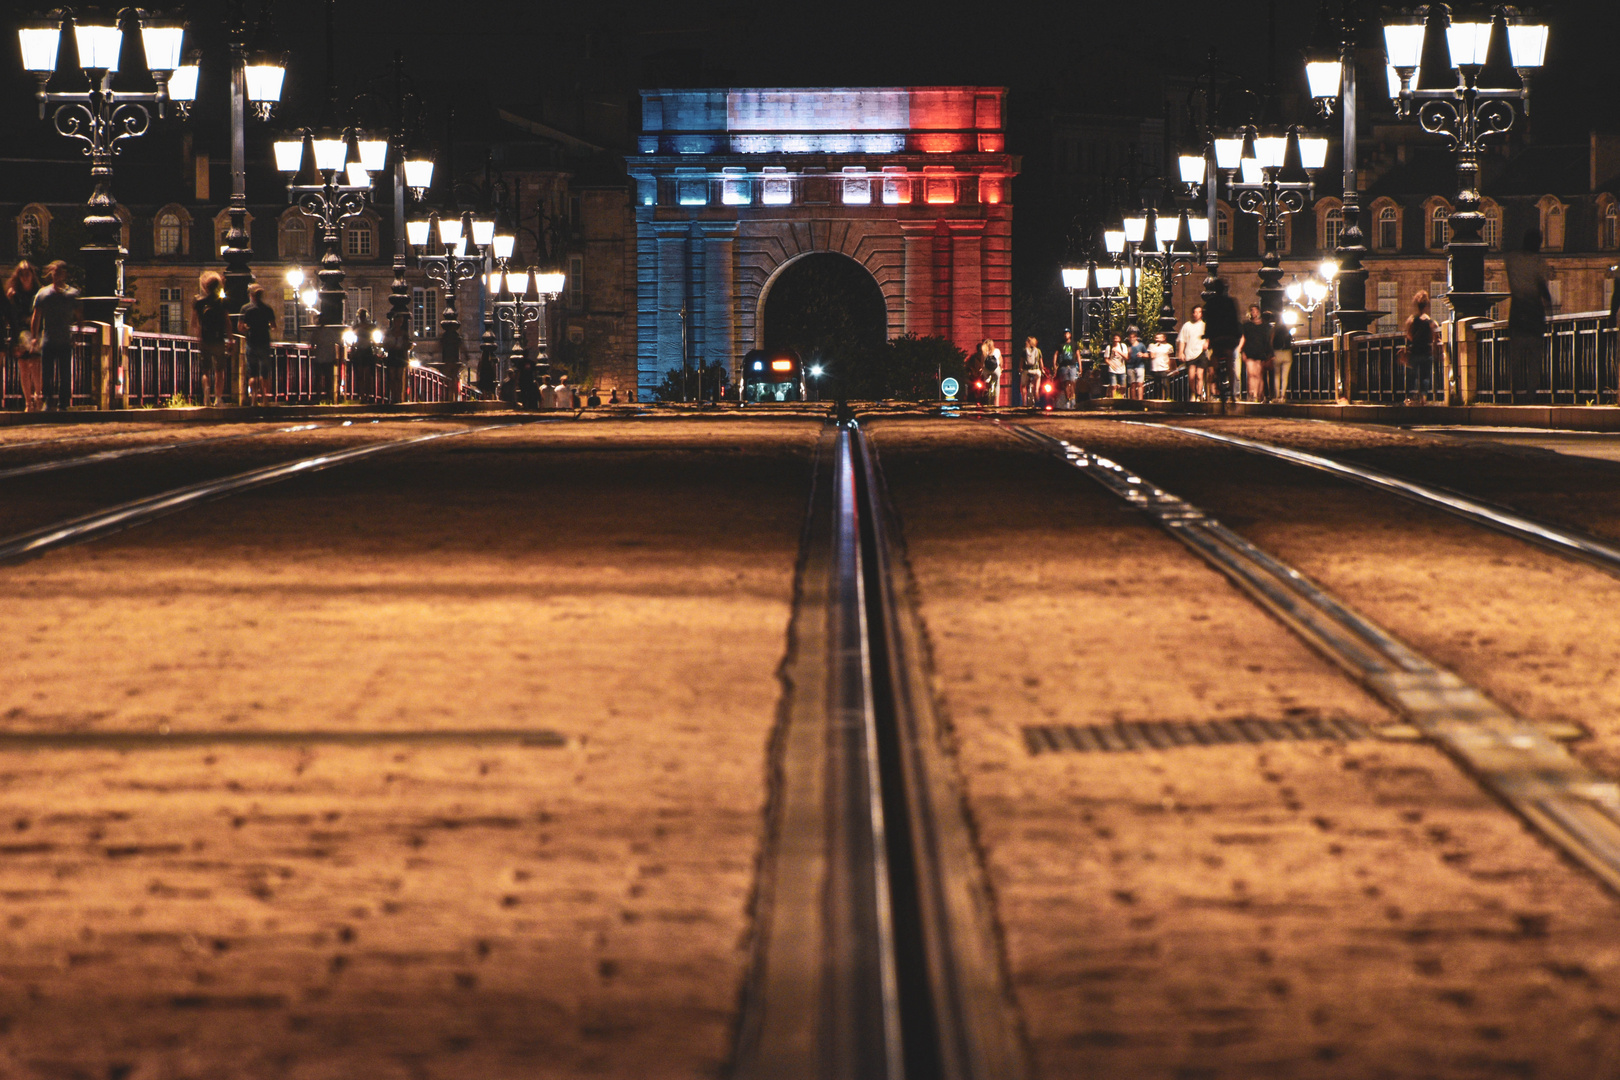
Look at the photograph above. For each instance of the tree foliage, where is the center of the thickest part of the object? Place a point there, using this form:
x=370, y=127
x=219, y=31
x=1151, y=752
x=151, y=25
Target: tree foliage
x=683, y=384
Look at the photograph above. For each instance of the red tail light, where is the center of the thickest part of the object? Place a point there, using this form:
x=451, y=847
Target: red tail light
x=978, y=384
x=1047, y=388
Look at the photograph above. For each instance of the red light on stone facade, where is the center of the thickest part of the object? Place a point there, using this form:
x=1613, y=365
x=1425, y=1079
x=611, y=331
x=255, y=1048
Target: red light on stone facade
x=941, y=142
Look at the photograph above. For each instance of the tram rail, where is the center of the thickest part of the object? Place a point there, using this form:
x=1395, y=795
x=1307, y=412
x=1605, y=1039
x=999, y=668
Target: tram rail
x=126, y=515
x=1555, y=538
x=1515, y=760
x=876, y=956
x=56, y=464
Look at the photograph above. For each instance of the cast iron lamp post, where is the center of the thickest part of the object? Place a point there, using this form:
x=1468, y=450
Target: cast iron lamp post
x=1269, y=176
x=465, y=242
x=1093, y=288
x=1305, y=297
x=1331, y=74
x=520, y=302
x=101, y=118
x=256, y=77
x=1465, y=115
x=329, y=180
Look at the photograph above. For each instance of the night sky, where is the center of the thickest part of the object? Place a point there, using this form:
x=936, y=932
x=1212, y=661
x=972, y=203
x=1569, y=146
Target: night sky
x=1080, y=54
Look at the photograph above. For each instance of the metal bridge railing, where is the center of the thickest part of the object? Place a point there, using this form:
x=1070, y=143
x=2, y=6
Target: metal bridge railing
x=1312, y=376
x=1577, y=364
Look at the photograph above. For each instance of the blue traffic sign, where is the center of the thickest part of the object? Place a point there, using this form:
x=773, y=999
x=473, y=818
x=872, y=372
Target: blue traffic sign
x=949, y=387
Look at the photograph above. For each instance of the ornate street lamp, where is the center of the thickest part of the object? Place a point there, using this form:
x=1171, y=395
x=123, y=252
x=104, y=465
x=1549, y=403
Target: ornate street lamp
x=1466, y=115
x=329, y=180
x=520, y=302
x=101, y=118
x=1093, y=289
x=1269, y=175
x=1304, y=297
x=1330, y=72
x=256, y=78
x=465, y=242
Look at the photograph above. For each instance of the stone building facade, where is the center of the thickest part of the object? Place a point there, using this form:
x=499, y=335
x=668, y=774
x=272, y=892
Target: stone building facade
x=731, y=186
x=1571, y=193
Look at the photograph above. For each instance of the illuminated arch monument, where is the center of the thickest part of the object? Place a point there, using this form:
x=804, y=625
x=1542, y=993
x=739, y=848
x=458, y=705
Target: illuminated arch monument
x=733, y=185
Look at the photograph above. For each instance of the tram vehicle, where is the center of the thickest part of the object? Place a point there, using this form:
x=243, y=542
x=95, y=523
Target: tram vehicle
x=772, y=375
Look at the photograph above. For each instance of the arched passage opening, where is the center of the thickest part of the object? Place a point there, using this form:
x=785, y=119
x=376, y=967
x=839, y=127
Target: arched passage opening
x=828, y=308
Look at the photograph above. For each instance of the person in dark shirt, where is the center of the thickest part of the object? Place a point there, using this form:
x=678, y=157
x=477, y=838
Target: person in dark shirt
x=1136, y=365
x=1255, y=349
x=1222, y=328
x=56, y=306
x=21, y=287
x=257, y=323
x=209, y=324
x=1421, y=337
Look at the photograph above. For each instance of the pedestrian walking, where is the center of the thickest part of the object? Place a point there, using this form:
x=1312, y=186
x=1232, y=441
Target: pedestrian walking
x=396, y=355
x=1115, y=357
x=1255, y=349
x=257, y=322
x=992, y=372
x=363, y=353
x=976, y=374
x=1136, y=364
x=1422, y=336
x=1034, y=372
x=1282, y=359
x=209, y=324
x=56, y=308
x=21, y=287
x=1531, y=295
x=1160, y=355
x=1222, y=328
x=1067, y=360
x=1192, y=349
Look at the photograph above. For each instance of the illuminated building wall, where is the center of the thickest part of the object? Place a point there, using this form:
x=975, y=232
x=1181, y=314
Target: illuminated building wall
x=732, y=185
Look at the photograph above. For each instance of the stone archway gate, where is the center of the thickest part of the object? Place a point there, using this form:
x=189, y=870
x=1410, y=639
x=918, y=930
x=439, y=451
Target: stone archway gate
x=733, y=185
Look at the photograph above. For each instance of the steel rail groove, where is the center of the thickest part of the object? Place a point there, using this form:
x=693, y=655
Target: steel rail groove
x=133, y=451
x=876, y=957
x=1573, y=806
x=139, y=511
x=1564, y=541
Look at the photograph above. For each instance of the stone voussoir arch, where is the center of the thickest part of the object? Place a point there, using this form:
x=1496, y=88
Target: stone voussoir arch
x=764, y=263
x=733, y=186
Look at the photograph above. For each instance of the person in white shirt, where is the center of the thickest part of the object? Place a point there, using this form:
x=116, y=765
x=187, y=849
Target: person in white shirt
x=1114, y=356
x=564, y=393
x=1192, y=349
x=1159, y=354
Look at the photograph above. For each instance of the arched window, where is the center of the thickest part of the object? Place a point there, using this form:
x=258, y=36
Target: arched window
x=359, y=240
x=1552, y=223
x=1493, y=225
x=1285, y=234
x=30, y=234
x=168, y=233
x=1389, y=228
x=1609, y=227
x=293, y=238
x=1332, y=229
x=1439, y=217
x=1223, y=227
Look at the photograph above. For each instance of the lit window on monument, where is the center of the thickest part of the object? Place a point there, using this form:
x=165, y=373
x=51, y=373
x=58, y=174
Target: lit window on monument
x=817, y=144
x=896, y=192
x=735, y=193
x=941, y=143
x=777, y=192
x=942, y=191
x=990, y=189
x=857, y=192
x=694, y=193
